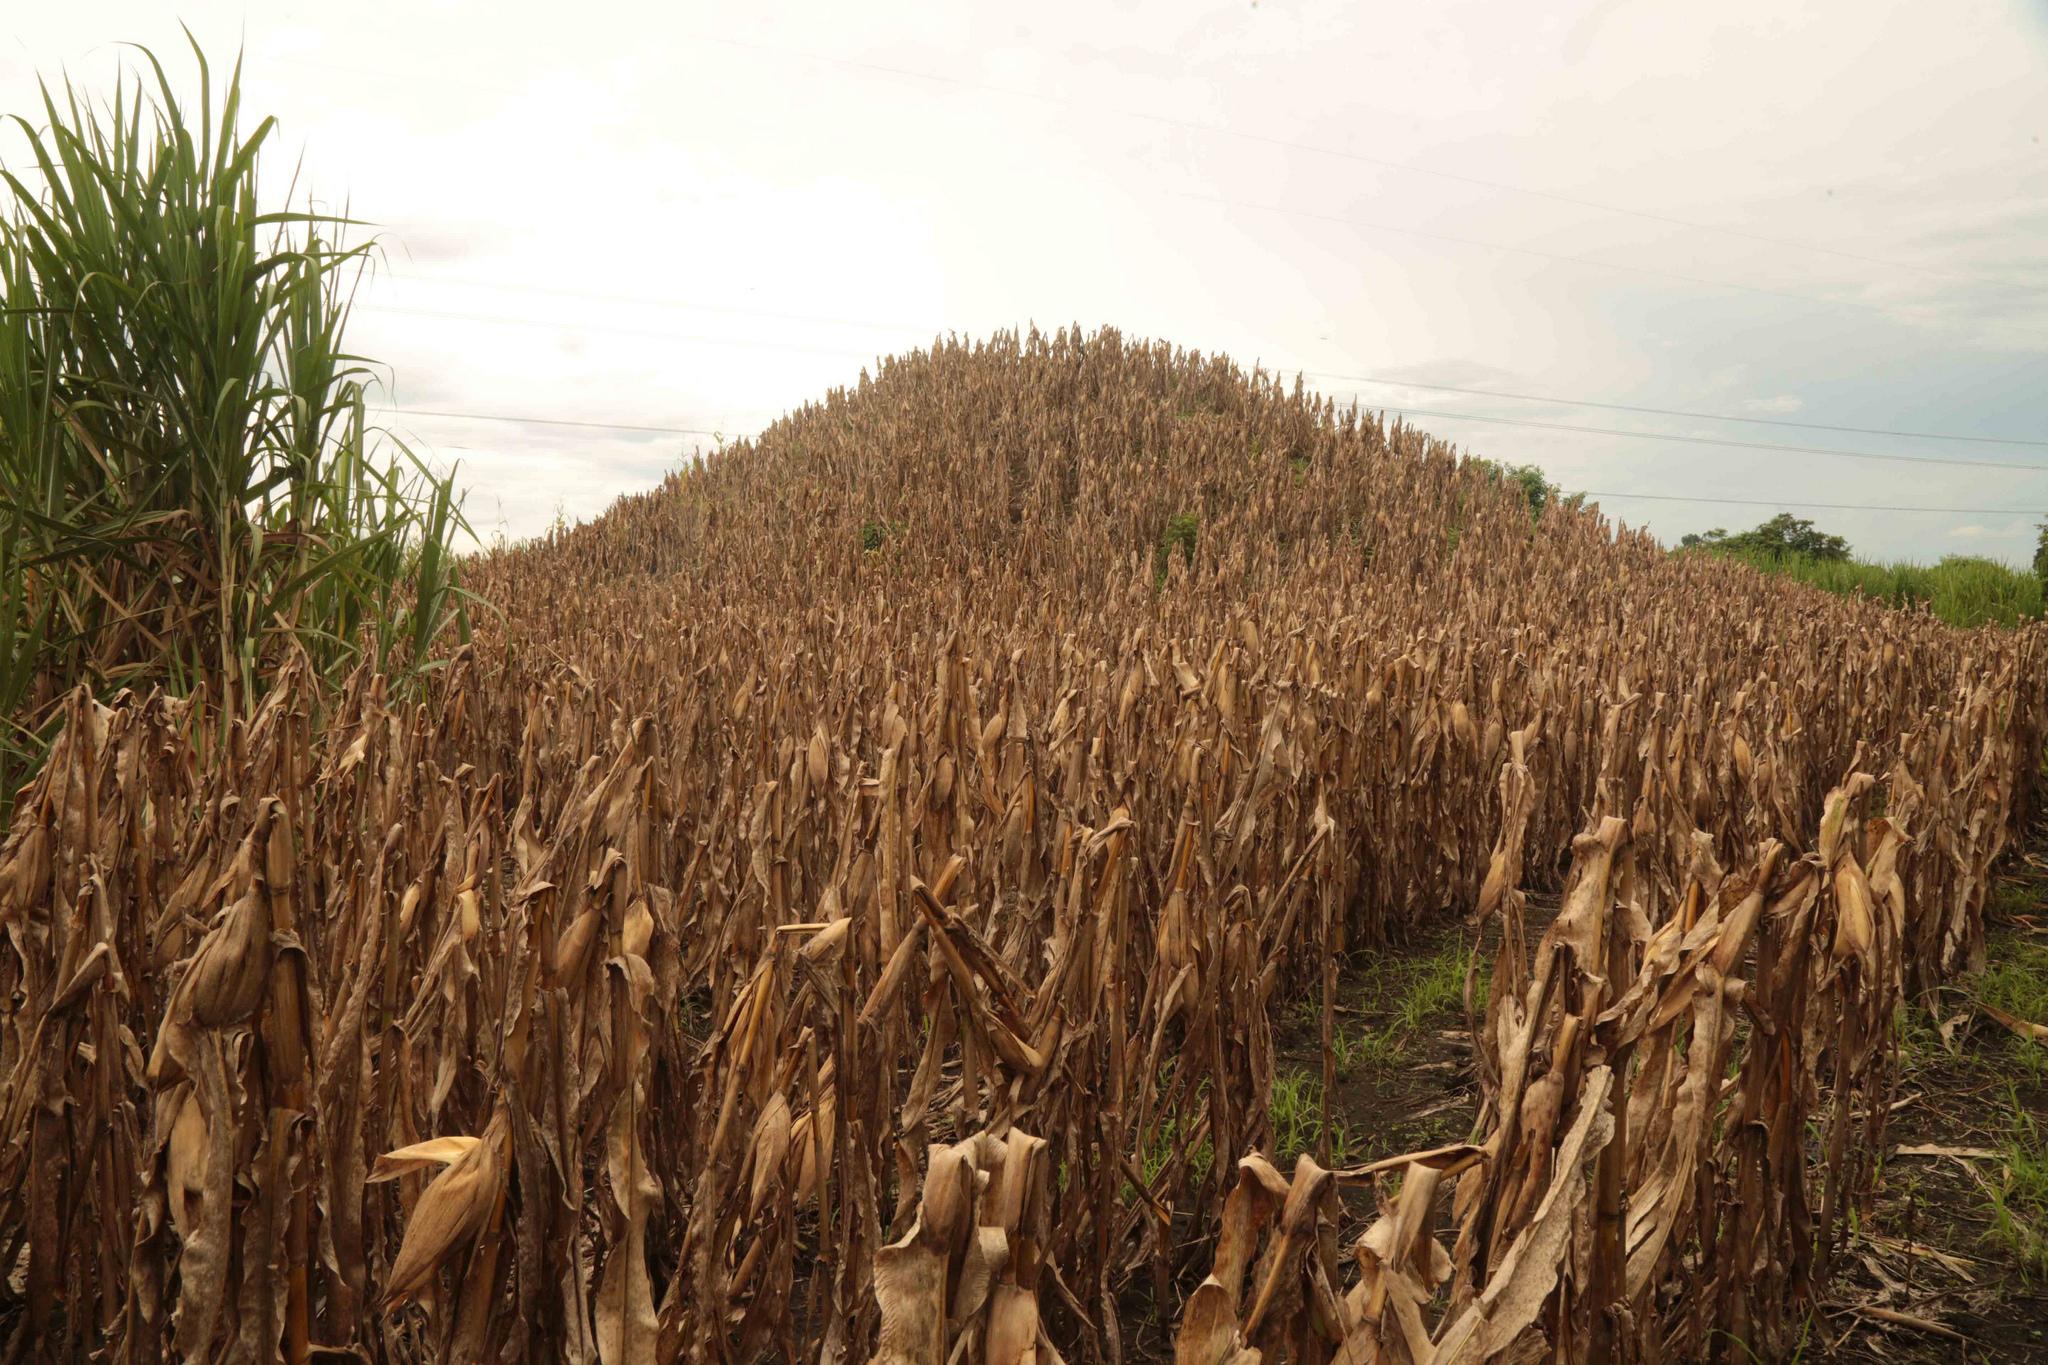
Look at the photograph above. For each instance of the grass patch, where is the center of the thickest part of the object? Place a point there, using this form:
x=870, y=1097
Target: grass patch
x=2019, y=1202
x=1365, y=1048
x=1406, y=994
x=2017, y=979
x=1434, y=985
x=1913, y=1030
x=2017, y=983
x=1299, y=1116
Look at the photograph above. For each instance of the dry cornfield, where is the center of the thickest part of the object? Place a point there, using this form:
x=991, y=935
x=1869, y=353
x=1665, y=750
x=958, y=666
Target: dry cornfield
x=838, y=905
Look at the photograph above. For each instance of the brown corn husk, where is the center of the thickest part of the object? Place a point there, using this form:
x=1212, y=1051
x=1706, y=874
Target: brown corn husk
x=450, y=1211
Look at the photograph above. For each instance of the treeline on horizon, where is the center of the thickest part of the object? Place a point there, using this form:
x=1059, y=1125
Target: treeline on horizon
x=1962, y=590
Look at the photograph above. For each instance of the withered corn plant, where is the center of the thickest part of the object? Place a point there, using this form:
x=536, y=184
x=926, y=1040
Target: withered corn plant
x=779, y=939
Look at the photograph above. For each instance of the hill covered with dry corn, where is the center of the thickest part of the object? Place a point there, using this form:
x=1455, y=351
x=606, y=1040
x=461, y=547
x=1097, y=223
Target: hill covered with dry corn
x=839, y=903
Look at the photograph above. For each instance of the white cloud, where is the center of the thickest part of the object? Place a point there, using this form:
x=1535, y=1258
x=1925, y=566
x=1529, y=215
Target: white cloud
x=1774, y=407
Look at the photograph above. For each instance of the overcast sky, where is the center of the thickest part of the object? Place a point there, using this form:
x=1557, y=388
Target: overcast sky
x=697, y=216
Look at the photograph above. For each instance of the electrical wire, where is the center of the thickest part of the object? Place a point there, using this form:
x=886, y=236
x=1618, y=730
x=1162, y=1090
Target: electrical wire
x=1827, y=506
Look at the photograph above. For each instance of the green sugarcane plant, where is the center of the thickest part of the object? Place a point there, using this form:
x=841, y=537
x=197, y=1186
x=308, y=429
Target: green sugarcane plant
x=190, y=487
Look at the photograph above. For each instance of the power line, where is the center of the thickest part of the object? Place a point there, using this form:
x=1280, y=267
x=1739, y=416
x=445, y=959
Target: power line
x=924, y=328
x=1402, y=412
x=1649, y=497
x=1674, y=412
x=496, y=320
x=1719, y=441
x=553, y=422
x=1826, y=506
x=1313, y=149
x=1422, y=412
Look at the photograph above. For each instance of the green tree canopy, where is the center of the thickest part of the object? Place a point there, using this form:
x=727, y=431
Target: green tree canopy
x=1784, y=535
x=1541, y=492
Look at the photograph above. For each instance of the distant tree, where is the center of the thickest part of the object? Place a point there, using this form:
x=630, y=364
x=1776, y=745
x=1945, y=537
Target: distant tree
x=2041, y=554
x=1784, y=535
x=1536, y=486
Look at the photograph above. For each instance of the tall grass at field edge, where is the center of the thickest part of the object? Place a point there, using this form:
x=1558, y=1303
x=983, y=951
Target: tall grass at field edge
x=1963, y=590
